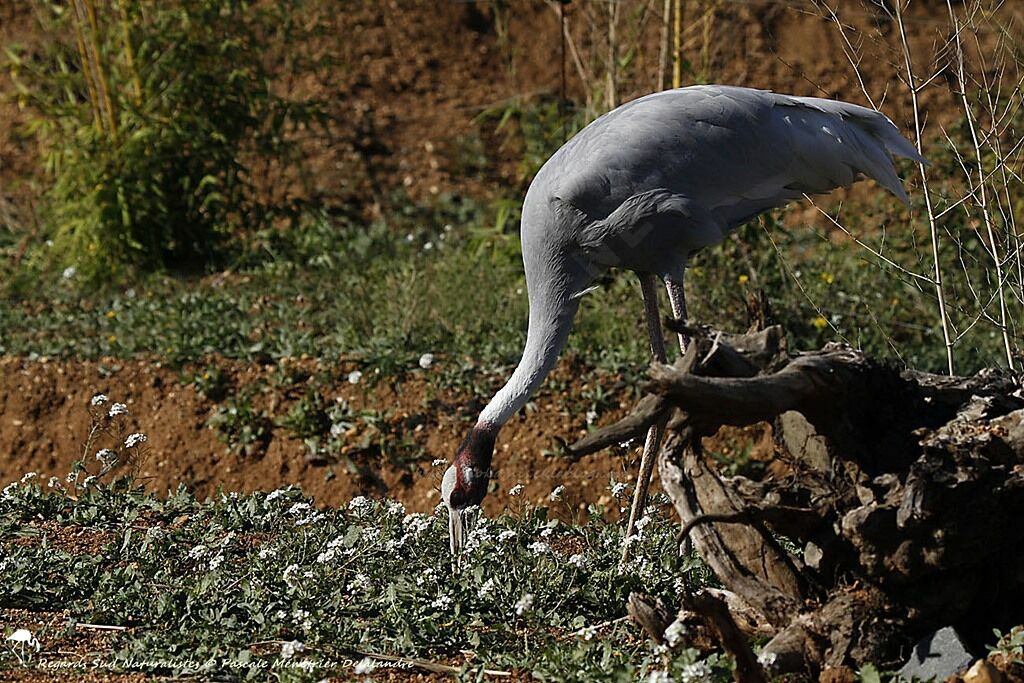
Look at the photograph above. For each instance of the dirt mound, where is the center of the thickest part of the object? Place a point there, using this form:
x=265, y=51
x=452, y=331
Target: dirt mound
x=44, y=422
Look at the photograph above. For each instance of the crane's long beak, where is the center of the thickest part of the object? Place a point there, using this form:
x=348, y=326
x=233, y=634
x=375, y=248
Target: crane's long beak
x=456, y=530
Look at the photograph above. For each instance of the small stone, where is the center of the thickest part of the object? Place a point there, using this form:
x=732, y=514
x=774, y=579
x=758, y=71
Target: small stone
x=983, y=672
x=938, y=656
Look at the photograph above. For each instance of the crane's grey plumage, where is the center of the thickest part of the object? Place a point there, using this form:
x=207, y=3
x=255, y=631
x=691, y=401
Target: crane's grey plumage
x=648, y=184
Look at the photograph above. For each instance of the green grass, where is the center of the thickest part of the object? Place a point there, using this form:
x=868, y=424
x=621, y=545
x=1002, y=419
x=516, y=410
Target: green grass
x=435, y=279
x=231, y=582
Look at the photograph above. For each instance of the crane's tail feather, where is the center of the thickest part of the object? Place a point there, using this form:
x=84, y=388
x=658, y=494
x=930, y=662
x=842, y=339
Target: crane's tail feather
x=876, y=136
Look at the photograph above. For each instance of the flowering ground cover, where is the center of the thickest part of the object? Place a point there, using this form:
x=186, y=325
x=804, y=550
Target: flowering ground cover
x=101, y=577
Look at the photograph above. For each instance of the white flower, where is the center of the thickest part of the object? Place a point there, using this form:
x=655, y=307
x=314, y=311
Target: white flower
x=506, y=535
x=216, y=561
x=289, y=649
x=360, y=504
x=591, y=416
x=619, y=489
x=698, y=672
x=539, y=547
x=516, y=490
x=766, y=659
x=437, y=462
x=69, y=272
x=197, y=552
x=487, y=589
x=659, y=677
x=428, y=246
x=337, y=429
x=10, y=489
x=298, y=508
x=643, y=522
x=524, y=604
x=28, y=476
x=266, y=552
x=365, y=665
x=426, y=360
x=675, y=633
x=136, y=439
x=54, y=483
x=578, y=560
x=105, y=454
x=409, y=237
x=277, y=493
x=354, y=377
x=117, y=409
x=557, y=493
x=98, y=400
x=443, y=602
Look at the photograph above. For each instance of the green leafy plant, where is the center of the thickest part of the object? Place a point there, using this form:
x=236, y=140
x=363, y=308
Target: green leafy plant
x=151, y=118
x=243, y=427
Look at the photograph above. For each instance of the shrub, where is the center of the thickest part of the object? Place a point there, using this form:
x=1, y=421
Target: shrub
x=149, y=117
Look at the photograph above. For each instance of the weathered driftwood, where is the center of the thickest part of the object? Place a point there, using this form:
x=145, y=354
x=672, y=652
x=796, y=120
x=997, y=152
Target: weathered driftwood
x=904, y=490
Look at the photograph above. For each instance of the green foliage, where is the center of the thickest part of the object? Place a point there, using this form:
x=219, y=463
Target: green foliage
x=243, y=583
x=150, y=128
x=243, y=427
x=1010, y=644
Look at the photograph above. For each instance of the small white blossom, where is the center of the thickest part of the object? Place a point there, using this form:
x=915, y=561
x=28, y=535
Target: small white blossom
x=539, y=547
x=659, y=677
x=443, y=602
x=643, y=522
x=698, y=672
x=426, y=360
x=277, y=493
x=524, y=604
x=9, y=490
x=506, y=535
x=54, y=483
x=117, y=409
x=266, y=552
x=591, y=417
x=437, y=462
x=337, y=429
x=578, y=560
x=298, y=508
x=28, y=476
x=354, y=377
x=289, y=649
x=105, y=454
x=619, y=489
x=487, y=589
x=136, y=439
x=197, y=552
x=675, y=633
x=360, y=504
x=557, y=493
x=516, y=490
x=216, y=561
x=69, y=272
x=98, y=400
x=428, y=246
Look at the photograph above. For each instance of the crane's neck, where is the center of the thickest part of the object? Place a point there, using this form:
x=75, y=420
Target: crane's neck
x=551, y=316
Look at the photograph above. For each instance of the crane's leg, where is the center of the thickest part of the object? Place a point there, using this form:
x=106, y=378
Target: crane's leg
x=648, y=287
x=677, y=298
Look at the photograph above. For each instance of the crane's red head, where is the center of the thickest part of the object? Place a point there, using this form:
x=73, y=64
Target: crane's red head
x=465, y=482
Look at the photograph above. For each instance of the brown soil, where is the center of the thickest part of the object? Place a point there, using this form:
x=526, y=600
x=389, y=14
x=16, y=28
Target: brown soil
x=44, y=422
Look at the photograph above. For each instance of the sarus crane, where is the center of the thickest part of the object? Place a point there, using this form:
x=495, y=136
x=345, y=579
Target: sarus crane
x=645, y=186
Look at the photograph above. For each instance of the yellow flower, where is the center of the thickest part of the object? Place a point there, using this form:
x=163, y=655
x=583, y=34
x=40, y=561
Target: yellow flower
x=744, y=279
x=819, y=323
x=895, y=301
x=206, y=375
x=112, y=338
x=828, y=278
x=111, y=315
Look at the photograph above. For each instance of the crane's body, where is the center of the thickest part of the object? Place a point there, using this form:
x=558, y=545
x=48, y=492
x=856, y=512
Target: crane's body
x=648, y=184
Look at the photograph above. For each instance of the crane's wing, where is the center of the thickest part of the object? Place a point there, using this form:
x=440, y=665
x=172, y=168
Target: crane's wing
x=732, y=152
x=643, y=233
